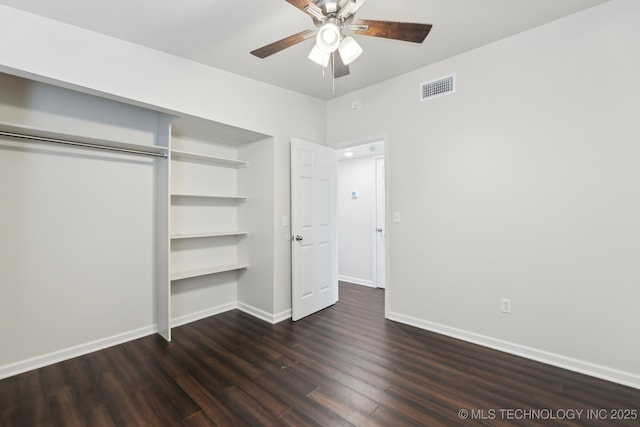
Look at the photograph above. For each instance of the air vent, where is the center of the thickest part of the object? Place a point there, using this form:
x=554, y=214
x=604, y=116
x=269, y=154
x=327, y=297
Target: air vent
x=439, y=87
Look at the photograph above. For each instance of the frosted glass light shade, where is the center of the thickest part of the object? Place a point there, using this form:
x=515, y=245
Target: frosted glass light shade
x=349, y=50
x=318, y=56
x=328, y=38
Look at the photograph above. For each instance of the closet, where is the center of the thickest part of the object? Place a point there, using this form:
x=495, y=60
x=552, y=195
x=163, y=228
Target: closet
x=100, y=246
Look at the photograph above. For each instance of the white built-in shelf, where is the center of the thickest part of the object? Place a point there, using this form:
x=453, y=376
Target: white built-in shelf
x=47, y=136
x=209, y=196
x=213, y=234
x=185, y=155
x=179, y=275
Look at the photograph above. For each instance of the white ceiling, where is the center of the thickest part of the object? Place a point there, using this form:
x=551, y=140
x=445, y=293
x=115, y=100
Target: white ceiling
x=221, y=33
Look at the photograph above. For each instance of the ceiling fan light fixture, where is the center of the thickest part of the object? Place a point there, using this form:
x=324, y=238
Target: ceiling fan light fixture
x=318, y=56
x=349, y=50
x=328, y=38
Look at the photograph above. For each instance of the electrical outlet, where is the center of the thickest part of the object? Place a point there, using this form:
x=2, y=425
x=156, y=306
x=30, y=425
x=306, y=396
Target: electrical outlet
x=505, y=305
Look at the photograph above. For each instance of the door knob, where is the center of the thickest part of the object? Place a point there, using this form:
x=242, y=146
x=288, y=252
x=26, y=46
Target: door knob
x=379, y=229
x=298, y=238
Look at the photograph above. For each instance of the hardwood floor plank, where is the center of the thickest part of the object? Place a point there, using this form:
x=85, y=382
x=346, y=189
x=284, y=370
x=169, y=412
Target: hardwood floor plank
x=124, y=409
x=33, y=390
x=157, y=407
x=389, y=417
x=200, y=338
x=247, y=385
x=211, y=405
x=64, y=408
x=199, y=419
x=288, y=386
x=190, y=355
x=344, y=395
x=346, y=365
x=165, y=385
x=343, y=366
x=83, y=383
x=342, y=409
x=293, y=418
x=99, y=416
x=248, y=408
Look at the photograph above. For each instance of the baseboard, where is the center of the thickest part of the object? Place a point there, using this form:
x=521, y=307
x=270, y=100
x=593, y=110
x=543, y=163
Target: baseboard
x=264, y=315
x=576, y=365
x=282, y=316
x=83, y=349
x=75, y=351
x=199, y=315
x=357, y=281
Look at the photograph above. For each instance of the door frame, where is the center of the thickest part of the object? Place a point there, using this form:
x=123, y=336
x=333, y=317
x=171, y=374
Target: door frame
x=376, y=264
x=388, y=232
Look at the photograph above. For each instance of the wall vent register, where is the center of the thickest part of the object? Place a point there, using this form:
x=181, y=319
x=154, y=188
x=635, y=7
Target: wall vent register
x=443, y=86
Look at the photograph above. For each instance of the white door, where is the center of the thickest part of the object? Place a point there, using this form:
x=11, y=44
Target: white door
x=380, y=225
x=313, y=226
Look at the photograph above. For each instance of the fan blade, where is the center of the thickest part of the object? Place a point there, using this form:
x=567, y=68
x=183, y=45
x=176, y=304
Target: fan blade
x=339, y=69
x=405, y=31
x=300, y=4
x=276, y=47
x=308, y=7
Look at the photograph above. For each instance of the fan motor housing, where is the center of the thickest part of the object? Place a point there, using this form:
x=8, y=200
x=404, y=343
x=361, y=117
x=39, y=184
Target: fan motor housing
x=328, y=6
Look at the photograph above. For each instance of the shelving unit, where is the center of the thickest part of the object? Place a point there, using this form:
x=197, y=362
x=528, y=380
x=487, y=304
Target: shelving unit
x=209, y=218
x=208, y=212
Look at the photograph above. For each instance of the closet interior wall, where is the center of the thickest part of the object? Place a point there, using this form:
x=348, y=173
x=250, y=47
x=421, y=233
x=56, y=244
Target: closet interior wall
x=77, y=225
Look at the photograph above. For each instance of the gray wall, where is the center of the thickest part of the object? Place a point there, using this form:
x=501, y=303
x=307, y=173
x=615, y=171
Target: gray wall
x=523, y=184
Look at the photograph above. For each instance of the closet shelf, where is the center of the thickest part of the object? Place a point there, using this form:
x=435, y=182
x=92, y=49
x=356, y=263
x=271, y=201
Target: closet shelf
x=209, y=196
x=210, y=234
x=179, y=275
x=185, y=155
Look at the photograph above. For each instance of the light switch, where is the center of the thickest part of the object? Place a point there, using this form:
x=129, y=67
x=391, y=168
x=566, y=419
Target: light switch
x=285, y=221
x=396, y=217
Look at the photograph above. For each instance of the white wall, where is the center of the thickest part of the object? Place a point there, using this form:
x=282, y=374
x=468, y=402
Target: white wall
x=256, y=215
x=356, y=220
x=77, y=251
x=523, y=184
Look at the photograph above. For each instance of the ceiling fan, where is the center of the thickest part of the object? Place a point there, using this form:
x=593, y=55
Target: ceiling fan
x=333, y=18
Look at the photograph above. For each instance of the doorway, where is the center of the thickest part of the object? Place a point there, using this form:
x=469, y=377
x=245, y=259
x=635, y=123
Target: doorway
x=361, y=214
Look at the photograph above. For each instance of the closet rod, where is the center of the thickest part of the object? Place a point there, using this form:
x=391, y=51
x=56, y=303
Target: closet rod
x=82, y=144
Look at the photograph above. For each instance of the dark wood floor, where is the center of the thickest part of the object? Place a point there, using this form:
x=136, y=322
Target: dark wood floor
x=346, y=365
